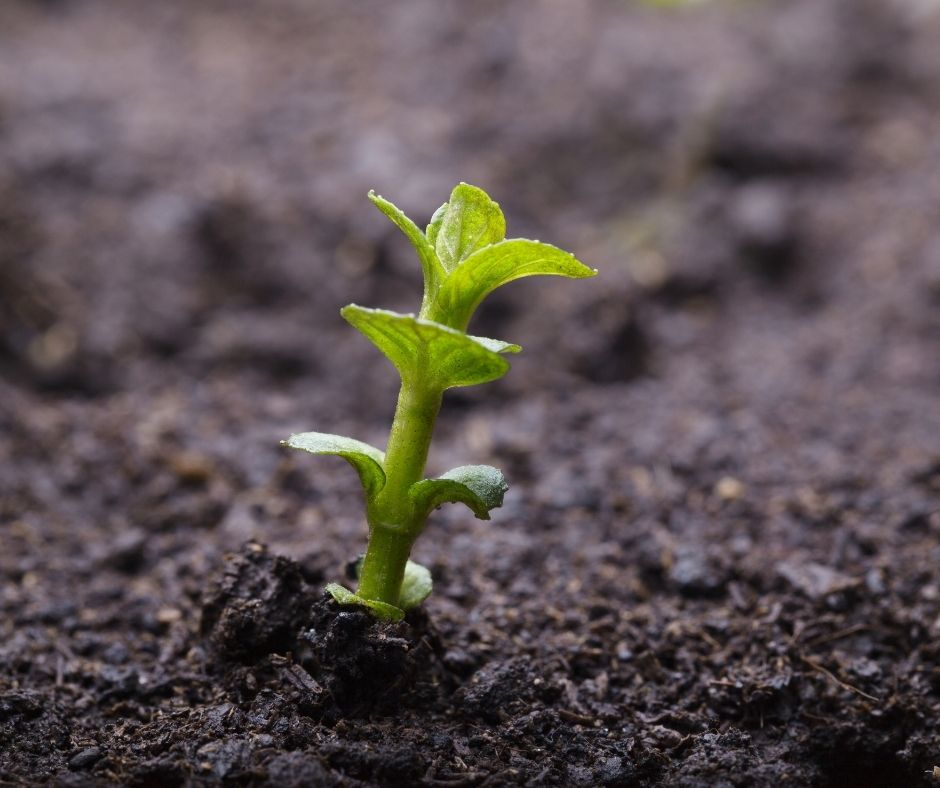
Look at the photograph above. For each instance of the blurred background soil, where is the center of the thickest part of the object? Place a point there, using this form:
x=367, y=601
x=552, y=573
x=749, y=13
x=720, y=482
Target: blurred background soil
x=718, y=561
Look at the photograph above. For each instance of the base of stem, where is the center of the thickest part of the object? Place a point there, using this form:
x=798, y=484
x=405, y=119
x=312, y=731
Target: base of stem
x=383, y=567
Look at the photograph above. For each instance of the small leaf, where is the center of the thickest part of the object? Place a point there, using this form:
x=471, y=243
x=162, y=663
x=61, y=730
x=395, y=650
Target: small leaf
x=485, y=270
x=416, y=586
x=367, y=460
x=481, y=487
x=342, y=594
x=469, y=221
x=427, y=351
x=380, y=610
x=433, y=270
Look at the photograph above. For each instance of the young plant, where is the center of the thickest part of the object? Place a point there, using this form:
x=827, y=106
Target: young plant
x=465, y=256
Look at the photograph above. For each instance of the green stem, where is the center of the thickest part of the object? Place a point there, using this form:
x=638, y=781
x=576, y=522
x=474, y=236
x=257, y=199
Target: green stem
x=393, y=522
x=383, y=568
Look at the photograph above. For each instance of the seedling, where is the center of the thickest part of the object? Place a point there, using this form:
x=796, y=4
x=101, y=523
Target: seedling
x=465, y=256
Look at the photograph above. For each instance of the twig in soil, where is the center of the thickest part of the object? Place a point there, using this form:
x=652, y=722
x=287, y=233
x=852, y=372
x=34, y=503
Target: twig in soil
x=842, y=633
x=845, y=685
x=817, y=718
x=577, y=719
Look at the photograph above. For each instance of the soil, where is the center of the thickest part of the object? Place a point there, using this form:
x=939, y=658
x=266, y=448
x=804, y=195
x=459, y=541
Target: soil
x=717, y=564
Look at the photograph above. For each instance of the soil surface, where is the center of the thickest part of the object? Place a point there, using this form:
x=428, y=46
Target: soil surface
x=718, y=562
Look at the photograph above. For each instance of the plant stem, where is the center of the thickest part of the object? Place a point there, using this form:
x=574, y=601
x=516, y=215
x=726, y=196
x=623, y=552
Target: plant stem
x=393, y=522
x=384, y=565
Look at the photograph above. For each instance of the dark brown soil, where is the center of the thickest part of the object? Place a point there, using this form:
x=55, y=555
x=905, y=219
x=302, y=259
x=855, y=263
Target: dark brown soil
x=718, y=563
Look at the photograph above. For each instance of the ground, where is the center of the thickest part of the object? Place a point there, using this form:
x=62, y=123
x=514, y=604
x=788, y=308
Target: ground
x=717, y=564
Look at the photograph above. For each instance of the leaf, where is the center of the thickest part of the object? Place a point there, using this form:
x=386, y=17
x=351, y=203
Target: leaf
x=380, y=610
x=342, y=594
x=434, y=272
x=368, y=461
x=428, y=351
x=469, y=221
x=481, y=487
x=493, y=266
x=416, y=586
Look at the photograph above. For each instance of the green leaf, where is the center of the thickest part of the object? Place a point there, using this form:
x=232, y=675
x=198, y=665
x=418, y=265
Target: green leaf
x=493, y=266
x=433, y=270
x=416, y=586
x=429, y=352
x=368, y=461
x=481, y=487
x=469, y=221
x=342, y=594
x=380, y=610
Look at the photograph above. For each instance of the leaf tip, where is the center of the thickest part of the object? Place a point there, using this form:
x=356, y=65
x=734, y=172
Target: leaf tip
x=583, y=271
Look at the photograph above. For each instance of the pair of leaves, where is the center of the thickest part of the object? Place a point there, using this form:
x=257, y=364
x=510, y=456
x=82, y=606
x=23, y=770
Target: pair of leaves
x=465, y=257
x=480, y=487
x=415, y=588
x=469, y=221
x=428, y=353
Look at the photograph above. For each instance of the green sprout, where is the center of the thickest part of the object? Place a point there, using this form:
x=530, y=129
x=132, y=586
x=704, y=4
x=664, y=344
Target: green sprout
x=465, y=256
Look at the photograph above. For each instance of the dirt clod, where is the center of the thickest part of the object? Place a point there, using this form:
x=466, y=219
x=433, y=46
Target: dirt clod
x=257, y=606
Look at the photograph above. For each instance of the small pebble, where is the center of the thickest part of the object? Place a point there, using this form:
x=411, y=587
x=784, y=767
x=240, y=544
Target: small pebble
x=729, y=488
x=85, y=758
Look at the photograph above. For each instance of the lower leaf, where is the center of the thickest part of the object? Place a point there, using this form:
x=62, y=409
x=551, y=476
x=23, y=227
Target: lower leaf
x=416, y=587
x=380, y=610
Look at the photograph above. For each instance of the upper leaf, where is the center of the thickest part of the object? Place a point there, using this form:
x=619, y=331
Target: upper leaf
x=367, y=460
x=433, y=270
x=469, y=221
x=481, y=487
x=428, y=351
x=492, y=266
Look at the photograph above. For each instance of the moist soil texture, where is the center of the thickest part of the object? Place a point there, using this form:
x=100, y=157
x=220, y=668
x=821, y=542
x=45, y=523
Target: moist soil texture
x=718, y=562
